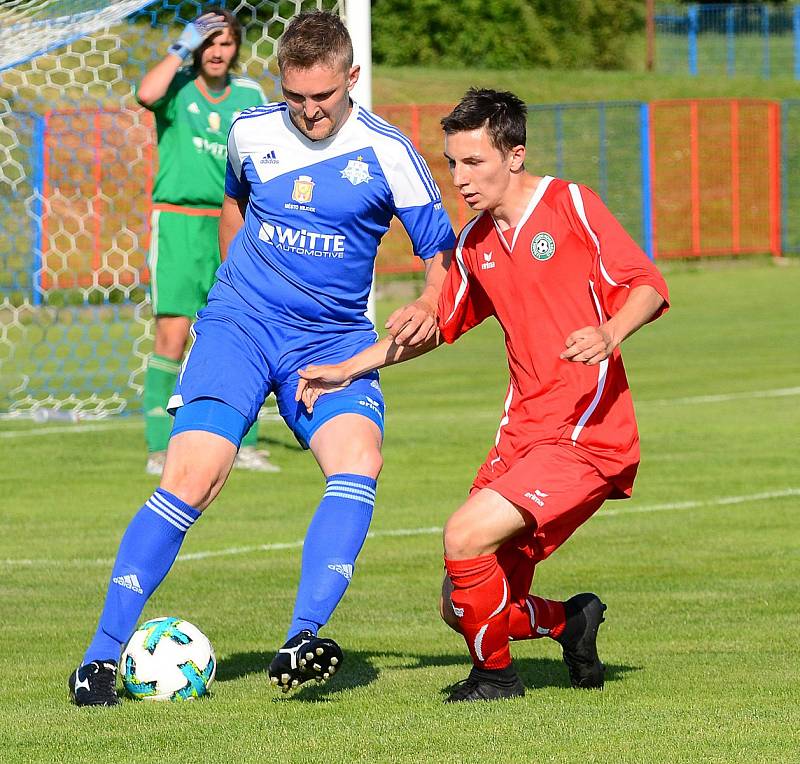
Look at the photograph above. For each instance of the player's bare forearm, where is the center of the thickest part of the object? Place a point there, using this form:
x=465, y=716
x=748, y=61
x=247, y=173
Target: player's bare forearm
x=231, y=219
x=156, y=82
x=318, y=380
x=592, y=344
x=415, y=323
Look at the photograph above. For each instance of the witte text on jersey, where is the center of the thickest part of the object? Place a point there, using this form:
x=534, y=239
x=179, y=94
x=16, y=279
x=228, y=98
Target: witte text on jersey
x=303, y=242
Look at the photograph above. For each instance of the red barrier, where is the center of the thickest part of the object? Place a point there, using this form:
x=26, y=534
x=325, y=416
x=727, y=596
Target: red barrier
x=98, y=179
x=715, y=168
x=716, y=177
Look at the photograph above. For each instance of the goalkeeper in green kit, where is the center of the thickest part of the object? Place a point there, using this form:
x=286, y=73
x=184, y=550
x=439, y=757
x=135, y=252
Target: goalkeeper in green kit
x=193, y=107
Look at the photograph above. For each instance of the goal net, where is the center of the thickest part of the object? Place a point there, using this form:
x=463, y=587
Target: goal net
x=77, y=158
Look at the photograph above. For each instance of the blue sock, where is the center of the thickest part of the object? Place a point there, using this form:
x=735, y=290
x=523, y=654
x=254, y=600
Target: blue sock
x=146, y=553
x=333, y=541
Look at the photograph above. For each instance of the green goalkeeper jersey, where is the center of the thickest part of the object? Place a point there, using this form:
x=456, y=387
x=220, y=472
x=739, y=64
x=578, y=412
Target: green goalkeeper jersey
x=192, y=124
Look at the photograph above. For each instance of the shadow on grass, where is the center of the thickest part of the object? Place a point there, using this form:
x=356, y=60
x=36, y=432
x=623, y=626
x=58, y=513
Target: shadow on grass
x=363, y=668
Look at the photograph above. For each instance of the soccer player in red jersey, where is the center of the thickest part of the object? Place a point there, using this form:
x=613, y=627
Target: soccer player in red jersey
x=567, y=284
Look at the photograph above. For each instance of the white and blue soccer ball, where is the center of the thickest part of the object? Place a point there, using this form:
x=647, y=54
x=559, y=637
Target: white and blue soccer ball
x=167, y=659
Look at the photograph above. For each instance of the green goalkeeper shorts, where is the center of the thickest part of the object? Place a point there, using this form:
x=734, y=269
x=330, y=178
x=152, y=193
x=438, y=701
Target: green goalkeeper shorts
x=183, y=258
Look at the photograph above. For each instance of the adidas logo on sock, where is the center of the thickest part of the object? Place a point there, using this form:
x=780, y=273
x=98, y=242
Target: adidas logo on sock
x=342, y=570
x=129, y=582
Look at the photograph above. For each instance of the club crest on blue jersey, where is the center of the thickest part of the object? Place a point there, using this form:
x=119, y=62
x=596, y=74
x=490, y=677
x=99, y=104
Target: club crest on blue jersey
x=303, y=189
x=357, y=172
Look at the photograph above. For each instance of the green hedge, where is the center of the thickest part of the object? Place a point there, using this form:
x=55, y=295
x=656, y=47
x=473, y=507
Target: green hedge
x=575, y=34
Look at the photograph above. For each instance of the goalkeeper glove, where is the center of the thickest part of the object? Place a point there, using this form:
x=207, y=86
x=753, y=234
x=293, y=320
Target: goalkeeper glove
x=196, y=33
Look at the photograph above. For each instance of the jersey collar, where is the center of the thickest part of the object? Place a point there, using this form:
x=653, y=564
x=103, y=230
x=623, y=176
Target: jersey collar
x=204, y=91
x=536, y=197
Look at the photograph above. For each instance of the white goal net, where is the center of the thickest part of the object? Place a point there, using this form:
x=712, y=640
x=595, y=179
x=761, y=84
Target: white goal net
x=77, y=161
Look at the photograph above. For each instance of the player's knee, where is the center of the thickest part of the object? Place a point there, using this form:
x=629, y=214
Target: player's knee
x=196, y=486
x=460, y=540
x=170, y=342
x=372, y=463
x=361, y=459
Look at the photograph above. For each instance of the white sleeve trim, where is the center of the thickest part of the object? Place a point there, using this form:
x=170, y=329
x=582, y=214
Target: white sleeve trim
x=577, y=200
x=462, y=266
x=602, y=369
x=233, y=153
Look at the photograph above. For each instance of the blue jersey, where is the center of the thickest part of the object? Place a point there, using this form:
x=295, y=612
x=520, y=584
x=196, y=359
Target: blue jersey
x=317, y=211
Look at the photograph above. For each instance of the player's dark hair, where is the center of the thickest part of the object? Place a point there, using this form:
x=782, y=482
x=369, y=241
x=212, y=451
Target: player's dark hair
x=503, y=114
x=315, y=38
x=235, y=29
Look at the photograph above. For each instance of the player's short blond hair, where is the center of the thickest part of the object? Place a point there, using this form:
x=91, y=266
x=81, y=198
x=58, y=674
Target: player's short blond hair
x=315, y=38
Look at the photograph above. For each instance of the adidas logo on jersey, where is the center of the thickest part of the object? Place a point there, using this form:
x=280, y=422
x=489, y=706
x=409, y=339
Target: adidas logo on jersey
x=343, y=570
x=270, y=158
x=193, y=108
x=129, y=582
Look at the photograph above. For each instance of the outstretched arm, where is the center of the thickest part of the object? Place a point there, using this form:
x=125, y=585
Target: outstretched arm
x=415, y=323
x=318, y=380
x=593, y=344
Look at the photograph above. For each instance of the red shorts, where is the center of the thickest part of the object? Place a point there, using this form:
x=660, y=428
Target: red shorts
x=560, y=489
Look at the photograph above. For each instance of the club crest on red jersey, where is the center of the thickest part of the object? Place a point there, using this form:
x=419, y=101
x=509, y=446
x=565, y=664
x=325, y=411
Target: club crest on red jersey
x=543, y=246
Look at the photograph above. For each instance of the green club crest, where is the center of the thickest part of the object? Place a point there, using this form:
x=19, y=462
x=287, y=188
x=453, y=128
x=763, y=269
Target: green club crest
x=543, y=247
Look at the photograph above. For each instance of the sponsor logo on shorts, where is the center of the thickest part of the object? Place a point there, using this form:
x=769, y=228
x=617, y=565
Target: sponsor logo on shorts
x=537, y=497
x=371, y=404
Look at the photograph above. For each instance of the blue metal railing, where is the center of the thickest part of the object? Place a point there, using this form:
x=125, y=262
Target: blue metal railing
x=729, y=39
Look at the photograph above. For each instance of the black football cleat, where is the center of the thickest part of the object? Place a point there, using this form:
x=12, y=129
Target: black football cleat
x=94, y=684
x=305, y=656
x=578, y=641
x=485, y=684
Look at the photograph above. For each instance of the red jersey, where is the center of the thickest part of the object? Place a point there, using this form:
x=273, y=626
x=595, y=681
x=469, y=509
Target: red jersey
x=568, y=264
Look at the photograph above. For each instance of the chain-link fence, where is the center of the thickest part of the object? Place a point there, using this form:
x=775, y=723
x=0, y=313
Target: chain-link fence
x=728, y=40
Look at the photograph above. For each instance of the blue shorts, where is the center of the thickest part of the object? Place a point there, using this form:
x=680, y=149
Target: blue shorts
x=240, y=360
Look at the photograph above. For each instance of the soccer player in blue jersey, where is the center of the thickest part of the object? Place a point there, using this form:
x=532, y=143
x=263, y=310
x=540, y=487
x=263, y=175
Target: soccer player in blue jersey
x=312, y=184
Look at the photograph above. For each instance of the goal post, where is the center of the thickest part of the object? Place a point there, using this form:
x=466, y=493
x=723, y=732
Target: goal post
x=77, y=158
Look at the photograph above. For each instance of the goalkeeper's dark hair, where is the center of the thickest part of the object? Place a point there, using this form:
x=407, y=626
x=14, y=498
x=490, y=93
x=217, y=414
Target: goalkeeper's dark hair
x=315, y=38
x=234, y=27
x=503, y=114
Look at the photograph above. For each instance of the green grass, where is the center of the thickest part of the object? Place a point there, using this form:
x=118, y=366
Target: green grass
x=540, y=86
x=701, y=633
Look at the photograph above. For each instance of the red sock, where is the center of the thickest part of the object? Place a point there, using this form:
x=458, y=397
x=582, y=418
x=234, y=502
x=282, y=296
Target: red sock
x=534, y=617
x=481, y=604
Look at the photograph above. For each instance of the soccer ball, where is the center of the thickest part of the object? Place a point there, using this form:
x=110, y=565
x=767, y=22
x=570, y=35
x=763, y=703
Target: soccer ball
x=167, y=659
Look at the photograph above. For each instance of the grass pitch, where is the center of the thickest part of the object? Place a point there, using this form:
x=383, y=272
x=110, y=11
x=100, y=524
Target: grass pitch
x=699, y=570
